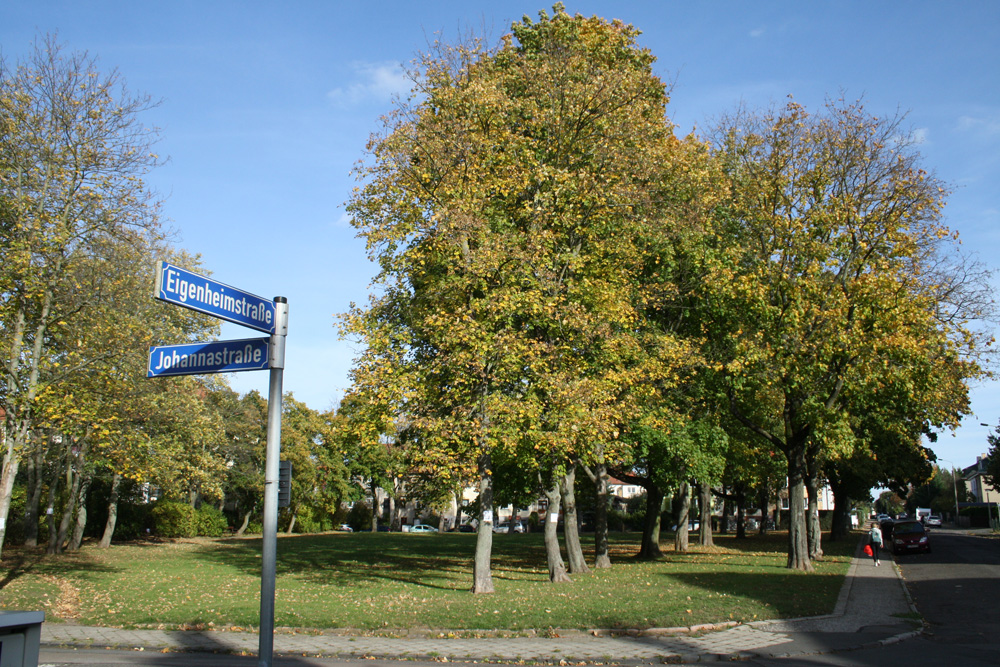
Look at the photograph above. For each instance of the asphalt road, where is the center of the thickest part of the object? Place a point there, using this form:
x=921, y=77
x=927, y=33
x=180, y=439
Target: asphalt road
x=956, y=588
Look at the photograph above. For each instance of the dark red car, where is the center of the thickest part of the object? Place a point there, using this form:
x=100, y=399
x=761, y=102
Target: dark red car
x=909, y=537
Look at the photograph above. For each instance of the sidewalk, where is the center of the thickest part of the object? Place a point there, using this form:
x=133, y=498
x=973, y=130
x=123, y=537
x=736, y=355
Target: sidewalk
x=873, y=608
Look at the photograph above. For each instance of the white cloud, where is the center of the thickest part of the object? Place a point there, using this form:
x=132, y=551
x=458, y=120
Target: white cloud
x=376, y=82
x=920, y=135
x=343, y=221
x=758, y=32
x=984, y=127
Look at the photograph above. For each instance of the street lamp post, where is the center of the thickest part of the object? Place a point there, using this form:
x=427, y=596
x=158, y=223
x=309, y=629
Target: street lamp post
x=954, y=486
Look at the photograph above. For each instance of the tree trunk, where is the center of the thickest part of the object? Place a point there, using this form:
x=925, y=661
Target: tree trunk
x=36, y=481
x=74, y=482
x=291, y=522
x=602, y=554
x=109, y=526
x=482, y=575
x=246, y=522
x=705, y=519
x=682, y=506
x=841, y=527
x=66, y=519
x=571, y=527
x=813, y=529
x=393, y=514
x=21, y=424
x=727, y=510
x=798, y=545
x=741, y=513
x=376, y=506
x=81, y=514
x=650, y=547
x=763, y=499
x=11, y=462
x=50, y=509
x=557, y=568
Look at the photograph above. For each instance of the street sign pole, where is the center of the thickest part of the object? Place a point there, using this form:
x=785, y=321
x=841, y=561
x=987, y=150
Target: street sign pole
x=276, y=354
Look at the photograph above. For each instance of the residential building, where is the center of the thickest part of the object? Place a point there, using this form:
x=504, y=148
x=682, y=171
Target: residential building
x=979, y=488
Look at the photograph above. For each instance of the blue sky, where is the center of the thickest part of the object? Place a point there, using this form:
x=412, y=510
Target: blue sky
x=266, y=107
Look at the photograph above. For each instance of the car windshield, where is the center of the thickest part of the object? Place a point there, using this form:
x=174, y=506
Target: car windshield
x=910, y=527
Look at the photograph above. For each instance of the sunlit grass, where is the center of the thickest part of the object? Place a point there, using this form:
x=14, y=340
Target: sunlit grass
x=394, y=581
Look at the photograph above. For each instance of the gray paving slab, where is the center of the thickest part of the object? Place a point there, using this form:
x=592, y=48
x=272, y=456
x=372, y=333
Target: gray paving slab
x=873, y=607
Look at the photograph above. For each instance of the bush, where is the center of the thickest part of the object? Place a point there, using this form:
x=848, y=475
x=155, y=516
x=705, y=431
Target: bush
x=360, y=516
x=133, y=521
x=311, y=520
x=211, y=522
x=173, y=519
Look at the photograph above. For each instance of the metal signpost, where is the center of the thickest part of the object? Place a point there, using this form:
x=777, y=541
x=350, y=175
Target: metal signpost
x=183, y=288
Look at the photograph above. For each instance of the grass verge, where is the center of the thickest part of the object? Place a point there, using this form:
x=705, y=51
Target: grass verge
x=388, y=581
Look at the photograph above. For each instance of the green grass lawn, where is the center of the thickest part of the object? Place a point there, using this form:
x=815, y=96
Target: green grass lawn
x=390, y=581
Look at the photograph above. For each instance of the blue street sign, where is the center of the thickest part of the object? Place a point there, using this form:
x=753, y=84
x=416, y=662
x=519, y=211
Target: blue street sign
x=221, y=356
x=184, y=288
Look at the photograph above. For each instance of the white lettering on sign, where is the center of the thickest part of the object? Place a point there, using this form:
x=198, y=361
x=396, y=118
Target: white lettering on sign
x=203, y=293
x=223, y=357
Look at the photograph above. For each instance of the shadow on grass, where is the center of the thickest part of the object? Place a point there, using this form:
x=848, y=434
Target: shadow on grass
x=430, y=561
x=21, y=561
x=789, y=594
x=17, y=567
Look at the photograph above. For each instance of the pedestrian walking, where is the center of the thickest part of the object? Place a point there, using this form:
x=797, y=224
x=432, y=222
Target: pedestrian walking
x=875, y=541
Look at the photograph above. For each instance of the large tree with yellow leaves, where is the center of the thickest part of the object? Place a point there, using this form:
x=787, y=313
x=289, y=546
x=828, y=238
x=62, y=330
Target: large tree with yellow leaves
x=504, y=205
x=832, y=285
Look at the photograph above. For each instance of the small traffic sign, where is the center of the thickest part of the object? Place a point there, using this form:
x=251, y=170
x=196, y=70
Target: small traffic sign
x=185, y=288
x=221, y=356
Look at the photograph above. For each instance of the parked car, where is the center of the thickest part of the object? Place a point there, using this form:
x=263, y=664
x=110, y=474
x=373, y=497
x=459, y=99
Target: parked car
x=909, y=537
x=466, y=528
x=344, y=528
x=934, y=520
x=883, y=517
x=504, y=527
x=423, y=528
x=693, y=524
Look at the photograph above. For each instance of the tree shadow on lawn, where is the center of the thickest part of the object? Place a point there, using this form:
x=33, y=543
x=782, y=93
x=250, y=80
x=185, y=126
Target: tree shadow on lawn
x=788, y=593
x=432, y=561
x=21, y=561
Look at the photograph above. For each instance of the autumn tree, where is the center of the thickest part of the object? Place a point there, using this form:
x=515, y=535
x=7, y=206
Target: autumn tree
x=73, y=151
x=834, y=240
x=499, y=205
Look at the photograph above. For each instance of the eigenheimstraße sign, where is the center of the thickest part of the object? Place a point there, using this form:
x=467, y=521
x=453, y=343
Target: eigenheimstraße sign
x=185, y=288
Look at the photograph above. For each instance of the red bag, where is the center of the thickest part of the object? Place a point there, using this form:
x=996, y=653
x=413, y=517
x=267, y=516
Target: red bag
x=868, y=550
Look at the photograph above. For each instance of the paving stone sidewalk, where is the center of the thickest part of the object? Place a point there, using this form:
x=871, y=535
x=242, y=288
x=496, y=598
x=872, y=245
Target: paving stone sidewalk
x=873, y=607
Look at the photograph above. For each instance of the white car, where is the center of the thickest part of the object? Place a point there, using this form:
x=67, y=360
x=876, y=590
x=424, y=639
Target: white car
x=504, y=527
x=934, y=520
x=423, y=528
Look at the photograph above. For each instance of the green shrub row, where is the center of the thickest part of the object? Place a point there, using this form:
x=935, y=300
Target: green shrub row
x=174, y=519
